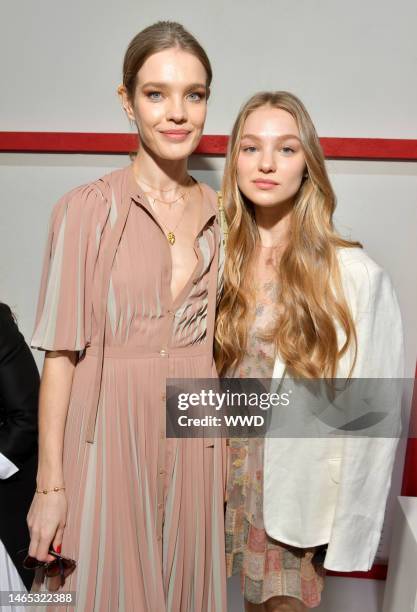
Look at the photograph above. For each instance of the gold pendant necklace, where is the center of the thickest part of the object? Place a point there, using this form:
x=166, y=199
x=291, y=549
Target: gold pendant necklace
x=170, y=234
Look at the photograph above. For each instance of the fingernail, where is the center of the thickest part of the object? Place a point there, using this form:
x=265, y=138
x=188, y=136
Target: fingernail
x=58, y=549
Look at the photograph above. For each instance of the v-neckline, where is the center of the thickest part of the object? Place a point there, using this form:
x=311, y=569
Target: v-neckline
x=139, y=196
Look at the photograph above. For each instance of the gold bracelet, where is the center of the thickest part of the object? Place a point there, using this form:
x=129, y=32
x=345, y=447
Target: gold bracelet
x=45, y=491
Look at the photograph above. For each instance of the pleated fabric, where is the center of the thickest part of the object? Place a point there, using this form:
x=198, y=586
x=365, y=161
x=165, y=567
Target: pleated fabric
x=145, y=520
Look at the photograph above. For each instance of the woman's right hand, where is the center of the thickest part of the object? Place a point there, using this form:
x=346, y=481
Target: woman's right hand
x=46, y=520
x=48, y=513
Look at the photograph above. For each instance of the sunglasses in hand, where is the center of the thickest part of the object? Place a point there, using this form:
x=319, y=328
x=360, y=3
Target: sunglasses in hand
x=60, y=566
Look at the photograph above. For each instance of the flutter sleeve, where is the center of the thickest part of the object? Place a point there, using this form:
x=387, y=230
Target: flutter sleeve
x=64, y=311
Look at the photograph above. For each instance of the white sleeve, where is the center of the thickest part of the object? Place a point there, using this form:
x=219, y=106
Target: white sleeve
x=367, y=462
x=10, y=579
x=7, y=467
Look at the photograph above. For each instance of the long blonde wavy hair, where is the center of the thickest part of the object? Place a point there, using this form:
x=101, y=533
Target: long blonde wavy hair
x=311, y=300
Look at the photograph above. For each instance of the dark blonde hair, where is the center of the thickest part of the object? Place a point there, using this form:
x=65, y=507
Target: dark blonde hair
x=311, y=300
x=158, y=37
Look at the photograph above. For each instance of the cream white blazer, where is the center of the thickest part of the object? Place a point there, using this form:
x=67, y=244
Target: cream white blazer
x=334, y=491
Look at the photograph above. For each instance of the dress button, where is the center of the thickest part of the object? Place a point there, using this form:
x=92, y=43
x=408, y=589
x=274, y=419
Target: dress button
x=160, y=506
x=163, y=352
x=161, y=472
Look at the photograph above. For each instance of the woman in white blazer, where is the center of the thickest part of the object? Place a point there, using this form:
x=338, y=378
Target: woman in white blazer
x=298, y=302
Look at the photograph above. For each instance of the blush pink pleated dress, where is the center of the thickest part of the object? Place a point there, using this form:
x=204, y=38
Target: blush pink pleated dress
x=145, y=520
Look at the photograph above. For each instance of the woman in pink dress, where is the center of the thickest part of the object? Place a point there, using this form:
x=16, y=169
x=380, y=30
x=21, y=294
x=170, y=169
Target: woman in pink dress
x=127, y=300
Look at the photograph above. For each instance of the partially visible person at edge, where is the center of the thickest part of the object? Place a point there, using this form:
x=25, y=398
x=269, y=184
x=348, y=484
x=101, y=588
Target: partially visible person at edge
x=299, y=301
x=19, y=389
x=127, y=299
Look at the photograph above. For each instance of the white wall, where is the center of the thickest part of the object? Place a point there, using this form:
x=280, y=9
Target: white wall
x=353, y=64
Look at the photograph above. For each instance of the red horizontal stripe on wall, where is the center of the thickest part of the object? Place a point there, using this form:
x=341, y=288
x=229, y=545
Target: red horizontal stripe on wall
x=369, y=148
x=378, y=572
x=213, y=145
x=84, y=142
x=409, y=484
x=67, y=142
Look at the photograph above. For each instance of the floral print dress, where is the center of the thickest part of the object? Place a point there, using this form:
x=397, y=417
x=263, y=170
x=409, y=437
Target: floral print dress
x=267, y=568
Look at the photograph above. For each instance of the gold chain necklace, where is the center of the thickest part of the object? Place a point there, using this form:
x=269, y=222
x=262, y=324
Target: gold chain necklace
x=170, y=203
x=170, y=234
x=161, y=190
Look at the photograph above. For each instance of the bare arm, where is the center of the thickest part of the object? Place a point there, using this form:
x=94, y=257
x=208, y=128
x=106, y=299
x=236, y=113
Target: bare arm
x=54, y=396
x=47, y=514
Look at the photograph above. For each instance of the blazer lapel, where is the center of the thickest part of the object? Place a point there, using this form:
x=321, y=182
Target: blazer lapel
x=277, y=374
